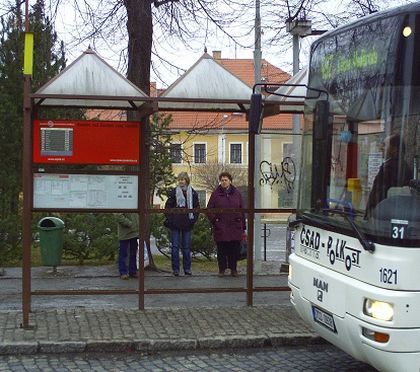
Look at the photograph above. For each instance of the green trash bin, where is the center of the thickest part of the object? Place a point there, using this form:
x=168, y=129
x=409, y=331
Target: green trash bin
x=51, y=240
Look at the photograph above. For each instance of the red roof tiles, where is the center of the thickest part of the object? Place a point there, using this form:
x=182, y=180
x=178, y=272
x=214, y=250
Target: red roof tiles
x=203, y=121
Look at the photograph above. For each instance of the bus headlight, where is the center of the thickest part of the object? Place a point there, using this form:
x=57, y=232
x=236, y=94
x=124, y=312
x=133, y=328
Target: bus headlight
x=378, y=309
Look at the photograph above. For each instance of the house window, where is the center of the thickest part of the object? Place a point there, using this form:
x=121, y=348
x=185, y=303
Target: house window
x=287, y=149
x=236, y=153
x=176, y=152
x=199, y=153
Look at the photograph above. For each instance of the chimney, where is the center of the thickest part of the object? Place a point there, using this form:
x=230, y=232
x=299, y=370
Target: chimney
x=217, y=55
x=153, y=89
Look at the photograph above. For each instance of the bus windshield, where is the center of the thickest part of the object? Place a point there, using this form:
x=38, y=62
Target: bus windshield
x=361, y=138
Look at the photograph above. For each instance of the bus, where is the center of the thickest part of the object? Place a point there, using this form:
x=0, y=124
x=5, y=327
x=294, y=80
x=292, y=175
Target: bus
x=354, y=271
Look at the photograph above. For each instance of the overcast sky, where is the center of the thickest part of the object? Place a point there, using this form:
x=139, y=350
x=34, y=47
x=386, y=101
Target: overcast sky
x=181, y=56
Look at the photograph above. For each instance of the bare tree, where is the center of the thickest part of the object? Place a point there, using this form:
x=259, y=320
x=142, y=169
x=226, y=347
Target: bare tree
x=208, y=177
x=151, y=26
x=324, y=14
x=136, y=30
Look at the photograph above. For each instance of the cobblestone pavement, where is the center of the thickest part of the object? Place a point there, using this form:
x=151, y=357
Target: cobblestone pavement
x=105, y=277
x=185, y=325
x=312, y=358
x=89, y=330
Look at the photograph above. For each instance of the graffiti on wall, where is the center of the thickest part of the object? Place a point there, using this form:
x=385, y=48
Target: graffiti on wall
x=273, y=174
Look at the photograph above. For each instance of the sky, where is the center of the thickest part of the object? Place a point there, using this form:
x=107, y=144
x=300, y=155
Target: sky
x=183, y=57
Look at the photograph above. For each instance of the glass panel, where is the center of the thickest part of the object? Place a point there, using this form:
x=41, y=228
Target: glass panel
x=361, y=148
x=305, y=180
x=277, y=171
x=371, y=166
x=202, y=198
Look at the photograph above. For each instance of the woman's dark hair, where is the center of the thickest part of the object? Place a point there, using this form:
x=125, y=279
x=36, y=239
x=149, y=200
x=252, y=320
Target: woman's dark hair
x=225, y=174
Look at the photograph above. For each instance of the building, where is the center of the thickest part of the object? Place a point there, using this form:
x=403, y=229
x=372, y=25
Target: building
x=204, y=143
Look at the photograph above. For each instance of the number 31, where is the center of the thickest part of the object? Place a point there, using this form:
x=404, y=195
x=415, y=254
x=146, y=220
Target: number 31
x=398, y=232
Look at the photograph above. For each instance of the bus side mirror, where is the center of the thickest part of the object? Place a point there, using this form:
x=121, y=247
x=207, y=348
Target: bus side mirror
x=321, y=154
x=255, y=113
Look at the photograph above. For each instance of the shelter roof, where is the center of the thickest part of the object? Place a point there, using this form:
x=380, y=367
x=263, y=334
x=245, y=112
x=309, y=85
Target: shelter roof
x=289, y=96
x=243, y=71
x=207, y=79
x=93, y=83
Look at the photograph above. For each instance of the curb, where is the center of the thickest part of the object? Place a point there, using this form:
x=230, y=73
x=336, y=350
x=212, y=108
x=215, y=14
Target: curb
x=159, y=345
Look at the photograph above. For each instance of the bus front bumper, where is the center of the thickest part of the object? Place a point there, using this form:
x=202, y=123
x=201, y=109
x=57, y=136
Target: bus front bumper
x=346, y=330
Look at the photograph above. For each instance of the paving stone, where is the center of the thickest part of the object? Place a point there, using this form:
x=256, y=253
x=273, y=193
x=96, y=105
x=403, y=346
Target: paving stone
x=104, y=330
x=58, y=347
x=13, y=347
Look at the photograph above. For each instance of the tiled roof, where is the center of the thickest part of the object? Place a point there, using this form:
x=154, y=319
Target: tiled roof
x=244, y=69
x=108, y=115
x=204, y=121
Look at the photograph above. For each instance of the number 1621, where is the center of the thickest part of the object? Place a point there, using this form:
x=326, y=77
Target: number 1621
x=388, y=276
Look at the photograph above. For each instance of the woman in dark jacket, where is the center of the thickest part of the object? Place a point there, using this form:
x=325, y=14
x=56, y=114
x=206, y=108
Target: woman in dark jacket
x=183, y=196
x=228, y=228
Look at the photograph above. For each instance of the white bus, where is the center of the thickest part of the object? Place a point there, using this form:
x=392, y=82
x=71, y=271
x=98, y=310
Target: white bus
x=355, y=269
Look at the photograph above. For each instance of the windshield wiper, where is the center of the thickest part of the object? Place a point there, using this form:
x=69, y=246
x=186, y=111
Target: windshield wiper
x=366, y=244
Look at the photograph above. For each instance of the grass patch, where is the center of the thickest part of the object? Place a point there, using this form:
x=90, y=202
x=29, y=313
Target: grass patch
x=36, y=260
x=162, y=262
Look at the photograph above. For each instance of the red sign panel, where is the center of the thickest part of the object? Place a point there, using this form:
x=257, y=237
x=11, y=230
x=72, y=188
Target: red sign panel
x=86, y=142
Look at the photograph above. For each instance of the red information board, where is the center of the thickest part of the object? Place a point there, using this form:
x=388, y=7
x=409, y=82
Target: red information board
x=86, y=142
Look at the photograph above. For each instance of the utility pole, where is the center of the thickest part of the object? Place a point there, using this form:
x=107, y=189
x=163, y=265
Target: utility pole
x=257, y=79
x=26, y=173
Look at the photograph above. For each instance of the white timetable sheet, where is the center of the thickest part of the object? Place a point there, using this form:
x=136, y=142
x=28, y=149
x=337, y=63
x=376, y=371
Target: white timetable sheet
x=64, y=191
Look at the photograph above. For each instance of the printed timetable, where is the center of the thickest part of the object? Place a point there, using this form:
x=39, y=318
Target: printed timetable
x=66, y=191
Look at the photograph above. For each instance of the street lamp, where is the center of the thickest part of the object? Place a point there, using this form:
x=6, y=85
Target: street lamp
x=298, y=28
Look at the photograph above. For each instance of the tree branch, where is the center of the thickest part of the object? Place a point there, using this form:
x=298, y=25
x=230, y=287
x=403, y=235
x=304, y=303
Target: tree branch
x=158, y=3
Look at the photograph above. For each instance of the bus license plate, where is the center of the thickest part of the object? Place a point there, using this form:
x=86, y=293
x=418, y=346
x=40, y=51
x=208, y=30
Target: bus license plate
x=324, y=318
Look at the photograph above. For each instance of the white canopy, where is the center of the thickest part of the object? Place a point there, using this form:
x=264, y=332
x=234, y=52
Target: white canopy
x=94, y=83
x=290, y=98
x=207, y=80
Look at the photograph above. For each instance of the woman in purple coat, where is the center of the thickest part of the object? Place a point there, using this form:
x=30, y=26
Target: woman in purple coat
x=228, y=228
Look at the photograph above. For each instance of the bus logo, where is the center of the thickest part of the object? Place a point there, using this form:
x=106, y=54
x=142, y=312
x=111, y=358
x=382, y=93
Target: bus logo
x=338, y=250
x=321, y=288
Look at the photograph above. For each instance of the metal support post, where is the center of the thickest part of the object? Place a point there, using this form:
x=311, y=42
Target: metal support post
x=27, y=192
x=257, y=147
x=251, y=216
x=143, y=192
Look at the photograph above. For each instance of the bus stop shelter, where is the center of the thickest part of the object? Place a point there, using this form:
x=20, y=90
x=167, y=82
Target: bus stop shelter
x=90, y=83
